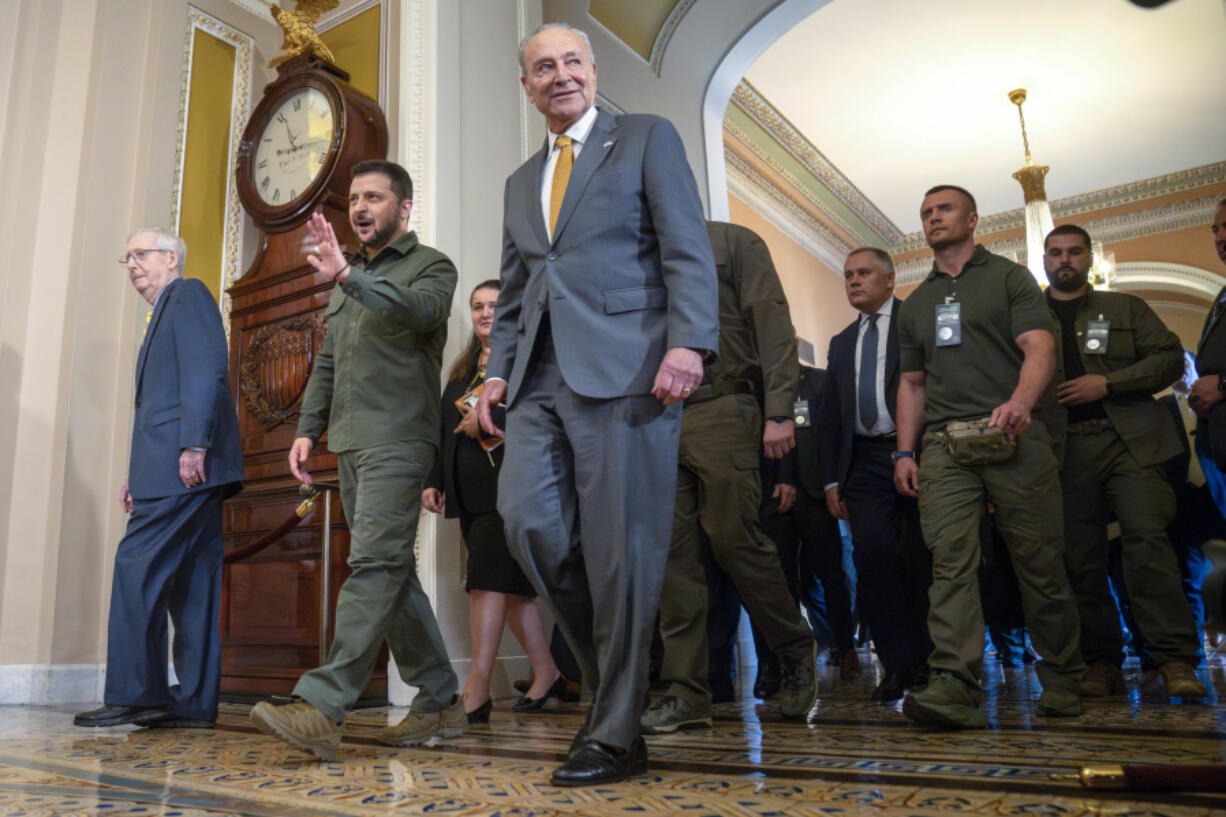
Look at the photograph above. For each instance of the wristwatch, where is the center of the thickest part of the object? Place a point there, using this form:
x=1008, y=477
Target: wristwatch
x=902, y=455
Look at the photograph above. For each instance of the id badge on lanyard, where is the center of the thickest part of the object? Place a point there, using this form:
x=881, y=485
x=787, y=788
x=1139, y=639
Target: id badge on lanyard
x=800, y=413
x=949, y=324
x=1098, y=334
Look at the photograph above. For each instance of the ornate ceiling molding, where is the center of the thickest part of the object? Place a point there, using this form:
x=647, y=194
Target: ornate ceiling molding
x=1122, y=228
x=666, y=32
x=1140, y=224
x=916, y=269
x=765, y=198
x=748, y=100
x=1178, y=216
x=798, y=187
x=1117, y=196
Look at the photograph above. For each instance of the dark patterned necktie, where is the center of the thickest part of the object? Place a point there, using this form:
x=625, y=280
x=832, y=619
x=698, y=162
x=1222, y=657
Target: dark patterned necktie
x=867, y=390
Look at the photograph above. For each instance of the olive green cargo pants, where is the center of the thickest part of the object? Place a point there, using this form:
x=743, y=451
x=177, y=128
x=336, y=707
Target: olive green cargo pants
x=718, y=491
x=1025, y=491
x=382, y=598
x=1100, y=474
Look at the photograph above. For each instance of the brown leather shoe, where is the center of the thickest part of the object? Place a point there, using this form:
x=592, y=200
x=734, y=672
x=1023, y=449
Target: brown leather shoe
x=419, y=727
x=1102, y=680
x=300, y=725
x=1180, y=680
x=849, y=665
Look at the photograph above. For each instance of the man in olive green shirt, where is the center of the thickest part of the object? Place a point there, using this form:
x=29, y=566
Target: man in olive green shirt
x=718, y=489
x=1114, y=353
x=375, y=389
x=976, y=342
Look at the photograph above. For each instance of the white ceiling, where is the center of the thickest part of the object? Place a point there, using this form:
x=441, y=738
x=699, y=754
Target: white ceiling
x=902, y=95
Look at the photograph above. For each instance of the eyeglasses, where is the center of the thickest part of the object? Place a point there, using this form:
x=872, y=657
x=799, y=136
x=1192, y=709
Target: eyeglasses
x=139, y=255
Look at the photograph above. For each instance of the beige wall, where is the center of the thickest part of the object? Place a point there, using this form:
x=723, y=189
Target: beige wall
x=90, y=101
x=815, y=292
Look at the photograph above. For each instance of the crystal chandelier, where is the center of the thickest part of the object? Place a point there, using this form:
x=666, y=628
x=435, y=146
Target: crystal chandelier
x=1038, y=212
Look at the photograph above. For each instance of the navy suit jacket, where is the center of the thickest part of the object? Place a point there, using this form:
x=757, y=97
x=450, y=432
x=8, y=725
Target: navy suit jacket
x=183, y=397
x=628, y=274
x=839, y=406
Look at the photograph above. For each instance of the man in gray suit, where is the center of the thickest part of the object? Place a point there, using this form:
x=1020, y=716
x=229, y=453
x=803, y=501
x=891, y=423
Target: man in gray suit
x=608, y=307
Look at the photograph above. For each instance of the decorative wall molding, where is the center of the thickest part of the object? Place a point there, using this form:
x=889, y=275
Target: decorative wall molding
x=240, y=110
x=255, y=7
x=416, y=137
x=41, y=684
x=1150, y=275
x=525, y=23
x=666, y=32
x=608, y=104
x=748, y=100
x=766, y=199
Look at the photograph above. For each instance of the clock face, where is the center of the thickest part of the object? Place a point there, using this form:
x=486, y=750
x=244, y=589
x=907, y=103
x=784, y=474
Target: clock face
x=293, y=149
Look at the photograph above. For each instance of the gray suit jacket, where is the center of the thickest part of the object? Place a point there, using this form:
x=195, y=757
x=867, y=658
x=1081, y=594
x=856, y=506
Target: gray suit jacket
x=629, y=273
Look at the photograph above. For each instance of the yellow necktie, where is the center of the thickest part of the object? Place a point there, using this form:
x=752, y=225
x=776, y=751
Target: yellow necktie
x=561, y=175
x=145, y=329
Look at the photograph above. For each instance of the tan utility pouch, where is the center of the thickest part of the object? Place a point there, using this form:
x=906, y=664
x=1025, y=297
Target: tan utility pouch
x=971, y=442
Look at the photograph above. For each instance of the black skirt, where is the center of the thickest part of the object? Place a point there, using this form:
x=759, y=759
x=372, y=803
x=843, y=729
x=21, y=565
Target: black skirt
x=490, y=564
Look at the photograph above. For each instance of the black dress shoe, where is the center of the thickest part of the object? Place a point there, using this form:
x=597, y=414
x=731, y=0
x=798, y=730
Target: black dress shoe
x=766, y=685
x=119, y=715
x=482, y=713
x=522, y=685
x=526, y=704
x=595, y=763
x=892, y=687
x=919, y=677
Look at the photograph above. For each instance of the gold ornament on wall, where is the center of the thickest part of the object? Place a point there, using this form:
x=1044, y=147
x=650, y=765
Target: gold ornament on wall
x=299, y=28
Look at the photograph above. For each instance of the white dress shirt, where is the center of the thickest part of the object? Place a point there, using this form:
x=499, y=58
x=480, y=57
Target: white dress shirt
x=578, y=132
x=884, y=424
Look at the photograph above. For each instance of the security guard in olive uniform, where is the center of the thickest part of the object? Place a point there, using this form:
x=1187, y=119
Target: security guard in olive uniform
x=718, y=490
x=1114, y=353
x=977, y=354
x=375, y=389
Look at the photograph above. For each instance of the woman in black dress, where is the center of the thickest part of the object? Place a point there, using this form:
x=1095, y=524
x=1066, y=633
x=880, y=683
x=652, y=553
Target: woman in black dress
x=466, y=477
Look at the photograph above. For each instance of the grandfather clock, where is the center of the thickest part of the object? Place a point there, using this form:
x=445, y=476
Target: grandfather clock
x=295, y=158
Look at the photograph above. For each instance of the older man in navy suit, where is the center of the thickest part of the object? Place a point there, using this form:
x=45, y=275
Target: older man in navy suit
x=186, y=459
x=608, y=305
x=893, y=569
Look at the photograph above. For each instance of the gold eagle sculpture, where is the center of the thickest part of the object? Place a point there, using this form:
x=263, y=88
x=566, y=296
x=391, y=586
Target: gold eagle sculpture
x=299, y=28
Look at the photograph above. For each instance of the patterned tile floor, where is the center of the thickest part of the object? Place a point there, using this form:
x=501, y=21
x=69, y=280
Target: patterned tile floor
x=852, y=757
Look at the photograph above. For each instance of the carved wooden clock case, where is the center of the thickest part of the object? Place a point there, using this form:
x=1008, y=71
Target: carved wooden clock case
x=295, y=157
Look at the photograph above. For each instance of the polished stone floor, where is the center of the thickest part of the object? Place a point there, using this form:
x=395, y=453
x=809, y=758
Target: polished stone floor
x=852, y=757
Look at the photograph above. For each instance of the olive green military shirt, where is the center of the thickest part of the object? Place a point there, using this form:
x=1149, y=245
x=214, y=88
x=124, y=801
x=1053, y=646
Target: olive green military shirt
x=999, y=301
x=1142, y=357
x=757, y=344
x=377, y=377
